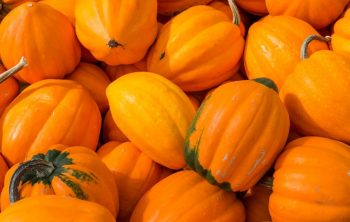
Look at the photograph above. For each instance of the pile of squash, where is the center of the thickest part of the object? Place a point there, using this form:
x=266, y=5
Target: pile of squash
x=175, y=110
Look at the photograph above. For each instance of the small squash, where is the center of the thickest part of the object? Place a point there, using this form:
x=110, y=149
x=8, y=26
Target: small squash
x=93, y=79
x=341, y=37
x=312, y=182
x=237, y=133
x=49, y=45
x=116, y=32
x=173, y=7
x=8, y=91
x=134, y=177
x=257, y=7
x=185, y=196
x=66, y=7
x=65, y=171
x=46, y=113
x=110, y=131
x=153, y=113
x=273, y=47
x=7, y=5
x=187, y=52
x=313, y=91
x=308, y=10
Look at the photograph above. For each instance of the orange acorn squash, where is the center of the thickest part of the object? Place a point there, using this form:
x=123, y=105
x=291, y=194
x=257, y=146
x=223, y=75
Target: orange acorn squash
x=237, y=133
x=187, y=52
x=341, y=36
x=3, y=170
x=172, y=7
x=110, y=131
x=185, y=196
x=66, y=7
x=153, y=113
x=8, y=91
x=65, y=171
x=116, y=32
x=312, y=182
x=273, y=47
x=49, y=45
x=48, y=112
x=55, y=209
x=7, y=5
x=257, y=7
x=95, y=80
x=308, y=10
x=134, y=177
x=313, y=91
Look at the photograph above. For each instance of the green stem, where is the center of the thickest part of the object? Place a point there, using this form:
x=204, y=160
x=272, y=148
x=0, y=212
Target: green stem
x=235, y=13
x=267, y=82
x=8, y=73
x=41, y=168
x=304, y=47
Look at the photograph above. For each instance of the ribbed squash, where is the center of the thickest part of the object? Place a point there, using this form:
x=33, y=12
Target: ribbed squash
x=116, y=31
x=94, y=80
x=187, y=52
x=134, y=171
x=49, y=45
x=46, y=113
x=341, y=36
x=273, y=47
x=308, y=10
x=8, y=91
x=66, y=7
x=65, y=171
x=237, y=133
x=185, y=196
x=312, y=182
x=313, y=93
x=110, y=131
x=55, y=209
x=153, y=113
x=172, y=7
x=257, y=7
x=115, y=72
x=7, y=5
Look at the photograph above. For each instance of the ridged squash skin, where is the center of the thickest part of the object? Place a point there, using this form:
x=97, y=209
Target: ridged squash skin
x=8, y=91
x=172, y=7
x=312, y=182
x=341, y=36
x=153, y=113
x=257, y=7
x=237, y=133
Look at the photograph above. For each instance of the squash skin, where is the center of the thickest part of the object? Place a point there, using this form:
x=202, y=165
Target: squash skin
x=273, y=47
x=173, y=7
x=111, y=30
x=311, y=182
x=46, y=113
x=78, y=173
x=8, y=91
x=110, y=131
x=45, y=59
x=66, y=7
x=236, y=134
x=325, y=74
x=256, y=7
x=187, y=53
x=256, y=204
x=55, y=209
x=159, y=109
x=134, y=178
x=309, y=10
x=193, y=198
x=341, y=37
x=95, y=80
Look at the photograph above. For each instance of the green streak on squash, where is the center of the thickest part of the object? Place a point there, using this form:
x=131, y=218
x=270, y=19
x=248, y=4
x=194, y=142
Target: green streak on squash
x=267, y=82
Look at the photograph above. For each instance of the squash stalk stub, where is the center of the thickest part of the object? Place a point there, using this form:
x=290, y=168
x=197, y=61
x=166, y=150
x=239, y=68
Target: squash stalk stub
x=40, y=167
x=112, y=44
x=267, y=182
x=8, y=73
x=236, y=19
x=303, y=51
x=267, y=82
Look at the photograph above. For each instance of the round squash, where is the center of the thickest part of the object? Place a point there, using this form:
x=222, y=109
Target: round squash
x=7, y=5
x=48, y=112
x=8, y=91
x=308, y=10
x=66, y=7
x=134, y=177
x=273, y=47
x=316, y=95
x=257, y=7
x=341, y=36
x=93, y=79
x=186, y=51
x=185, y=196
x=312, y=182
x=173, y=7
x=65, y=171
x=237, y=133
x=55, y=209
x=110, y=131
x=51, y=48
x=116, y=32
x=153, y=113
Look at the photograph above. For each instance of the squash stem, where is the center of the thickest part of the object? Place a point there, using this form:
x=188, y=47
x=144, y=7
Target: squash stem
x=236, y=19
x=267, y=182
x=41, y=168
x=8, y=73
x=304, y=47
